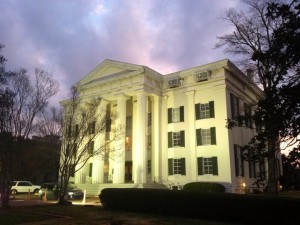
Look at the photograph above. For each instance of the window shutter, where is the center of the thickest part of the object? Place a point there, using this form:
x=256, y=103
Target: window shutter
x=212, y=109
x=200, y=165
x=215, y=165
x=242, y=160
x=236, y=160
x=181, y=113
x=182, y=138
x=213, y=135
x=169, y=115
x=91, y=170
x=170, y=140
x=170, y=166
x=197, y=111
x=198, y=137
x=182, y=166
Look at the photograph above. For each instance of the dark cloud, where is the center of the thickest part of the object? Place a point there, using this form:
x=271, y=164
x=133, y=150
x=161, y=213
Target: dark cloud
x=71, y=37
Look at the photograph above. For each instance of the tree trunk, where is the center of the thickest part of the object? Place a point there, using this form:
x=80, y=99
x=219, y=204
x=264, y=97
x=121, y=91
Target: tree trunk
x=272, y=188
x=5, y=199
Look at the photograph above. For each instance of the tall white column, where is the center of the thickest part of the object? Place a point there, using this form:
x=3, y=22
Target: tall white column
x=140, y=163
x=97, y=175
x=191, y=140
x=156, y=138
x=119, y=158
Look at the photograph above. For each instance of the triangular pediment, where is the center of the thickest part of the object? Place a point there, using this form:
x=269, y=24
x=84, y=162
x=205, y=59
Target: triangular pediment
x=108, y=69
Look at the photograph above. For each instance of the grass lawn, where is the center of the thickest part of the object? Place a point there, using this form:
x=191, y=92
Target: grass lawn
x=89, y=215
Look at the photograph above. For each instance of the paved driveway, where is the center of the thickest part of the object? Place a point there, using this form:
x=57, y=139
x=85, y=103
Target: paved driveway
x=31, y=200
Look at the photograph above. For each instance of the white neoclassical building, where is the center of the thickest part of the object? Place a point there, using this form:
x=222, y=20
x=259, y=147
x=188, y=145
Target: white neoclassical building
x=175, y=126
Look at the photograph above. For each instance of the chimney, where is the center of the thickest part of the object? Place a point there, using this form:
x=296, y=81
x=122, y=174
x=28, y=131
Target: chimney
x=250, y=74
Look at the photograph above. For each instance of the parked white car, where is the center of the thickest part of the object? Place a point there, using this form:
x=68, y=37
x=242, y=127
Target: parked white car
x=24, y=187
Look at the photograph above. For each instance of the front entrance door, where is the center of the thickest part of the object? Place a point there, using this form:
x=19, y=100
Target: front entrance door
x=128, y=172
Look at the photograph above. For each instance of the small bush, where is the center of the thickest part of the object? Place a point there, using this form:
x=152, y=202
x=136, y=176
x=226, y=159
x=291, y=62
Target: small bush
x=204, y=187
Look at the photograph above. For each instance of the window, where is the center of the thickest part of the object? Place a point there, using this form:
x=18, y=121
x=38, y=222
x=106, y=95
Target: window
x=206, y=136
x=248, y=121
x=207, y=165
x=205, y=111
x=128, y=123
x=149, y=119
x=149, y=167
x=176, y=115
x=128, y=143
x=176, y=166
x=235, y=108
x=92, y=127
x=239, y=162
x=91, y=148
x=176, y=139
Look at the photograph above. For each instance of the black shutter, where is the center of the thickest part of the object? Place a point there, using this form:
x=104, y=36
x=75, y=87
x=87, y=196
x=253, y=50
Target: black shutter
x=182, y=138
x=215, y=165
x=198, y=137
x=200, y=165
x=182, y=166
x=236, y=160
x=169, y=115
x=181, y=109
x=170, y=140
x=213, y=136
x=91, y=170
x=242, y=159
x=211, y=109
x=170, y=166
x=197, y=111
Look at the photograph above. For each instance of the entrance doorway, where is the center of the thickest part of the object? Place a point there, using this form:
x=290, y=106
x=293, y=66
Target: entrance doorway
x=128, y=172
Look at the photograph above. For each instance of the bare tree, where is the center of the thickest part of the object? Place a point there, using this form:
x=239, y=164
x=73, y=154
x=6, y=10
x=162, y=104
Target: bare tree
x=84, y=123
x=22, y=101
x=256, y=42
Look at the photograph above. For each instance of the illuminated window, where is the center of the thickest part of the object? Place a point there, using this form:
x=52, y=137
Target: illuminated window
x=176, y=115
x=205, y=111
x=207, y=165
x=176, y=139
x=176, y=166
x=206, y=136
x=239, y=163
x=128, y=143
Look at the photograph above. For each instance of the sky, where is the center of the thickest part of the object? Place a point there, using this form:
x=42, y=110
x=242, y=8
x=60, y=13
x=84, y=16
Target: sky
x=69, y=38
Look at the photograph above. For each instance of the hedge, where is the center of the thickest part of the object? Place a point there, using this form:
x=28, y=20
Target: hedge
x=204, y=187
x=226, y=207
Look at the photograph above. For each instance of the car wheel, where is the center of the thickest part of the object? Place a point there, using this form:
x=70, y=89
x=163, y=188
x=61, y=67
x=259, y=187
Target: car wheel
x=42, y=196
x=36, y=191
x=14, y=192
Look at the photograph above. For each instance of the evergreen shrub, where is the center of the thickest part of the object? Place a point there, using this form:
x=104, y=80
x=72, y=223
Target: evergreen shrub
x=204, y=187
